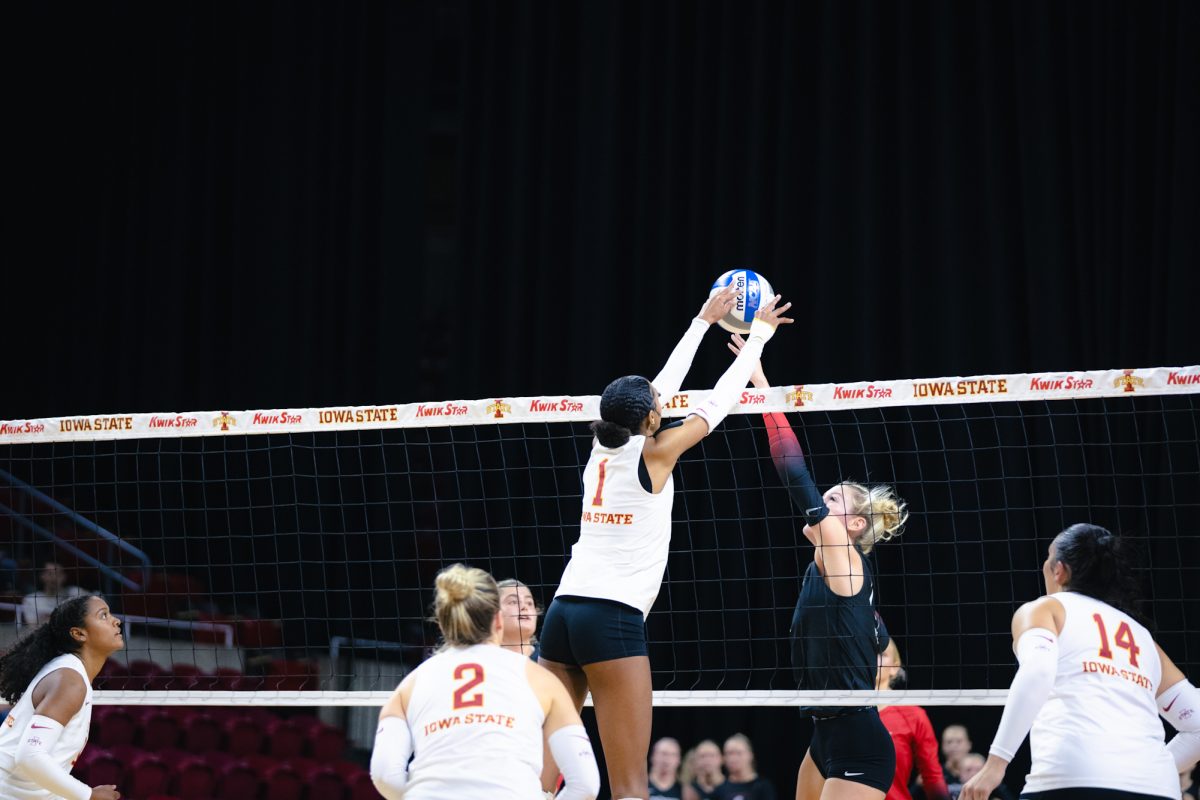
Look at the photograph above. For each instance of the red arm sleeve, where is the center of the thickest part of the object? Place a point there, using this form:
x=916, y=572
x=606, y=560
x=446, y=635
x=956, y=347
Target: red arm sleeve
x=926, y=755
x=789, y=463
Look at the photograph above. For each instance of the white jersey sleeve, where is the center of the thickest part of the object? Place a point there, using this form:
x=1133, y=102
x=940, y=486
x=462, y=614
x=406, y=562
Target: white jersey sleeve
x=1100, y=727
x=14, y=785
x=624, y=531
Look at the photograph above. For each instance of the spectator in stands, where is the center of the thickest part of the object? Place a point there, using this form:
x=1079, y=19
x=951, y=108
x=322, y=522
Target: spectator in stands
x=664, y=770
x=744, y=782
x=37, y=607
x=8, y=572
x=702, y=773
x=1186, y=786
x=912, y=734
x=520, y=614
x=956, y=743
x=970, y=764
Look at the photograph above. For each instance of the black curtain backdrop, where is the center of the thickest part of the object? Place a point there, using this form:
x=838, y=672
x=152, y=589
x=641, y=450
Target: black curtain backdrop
x=262, y=205
x=293, y=204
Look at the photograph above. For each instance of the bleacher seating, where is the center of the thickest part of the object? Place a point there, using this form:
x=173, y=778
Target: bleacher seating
x=217, y=753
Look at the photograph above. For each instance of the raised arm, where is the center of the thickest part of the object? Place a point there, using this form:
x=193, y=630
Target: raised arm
x=664, y=450
x=786, y=452
x=788, y=457
x=670, y=378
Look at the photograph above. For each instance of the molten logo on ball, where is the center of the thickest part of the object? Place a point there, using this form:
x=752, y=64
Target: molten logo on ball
x=752, y=290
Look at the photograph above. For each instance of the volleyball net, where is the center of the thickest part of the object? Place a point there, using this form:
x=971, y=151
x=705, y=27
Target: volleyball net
x=287, y=557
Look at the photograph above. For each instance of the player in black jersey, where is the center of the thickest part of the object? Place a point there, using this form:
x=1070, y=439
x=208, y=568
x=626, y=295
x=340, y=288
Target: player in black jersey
x=836, y=634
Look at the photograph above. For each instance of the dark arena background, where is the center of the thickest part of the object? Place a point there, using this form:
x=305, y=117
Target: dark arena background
x=320, y=208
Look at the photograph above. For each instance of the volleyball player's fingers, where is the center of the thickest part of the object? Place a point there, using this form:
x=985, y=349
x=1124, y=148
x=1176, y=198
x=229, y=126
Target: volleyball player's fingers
x=773, y=314
x=718, y=305
x=736, y=343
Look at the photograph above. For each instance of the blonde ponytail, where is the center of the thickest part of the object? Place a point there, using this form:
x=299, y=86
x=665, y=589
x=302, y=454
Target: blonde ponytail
x=884, y=512
x=466, y=604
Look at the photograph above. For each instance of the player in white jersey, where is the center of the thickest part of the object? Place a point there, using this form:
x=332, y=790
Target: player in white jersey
x=48, y=675
x=1091, y=686
x=476, y=715
x=593, y=636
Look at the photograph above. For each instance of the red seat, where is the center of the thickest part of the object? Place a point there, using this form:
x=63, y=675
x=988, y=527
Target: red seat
x=145, y=675
x=327, y=743
x=202, y=733
x=218, y=760
x=194, y=779
x=238, y=779
x=226, y=679
x=160, y=730
x=361, y=787
x=292, y=675
x=167, y=595
x=98, y=767
x=112, y=726
x=283, y=783
x=187, y=676
x=147, y=775
x=113, y=676
x=324, y=783
x=244, y=736
x=285, y=739
x=259, y=634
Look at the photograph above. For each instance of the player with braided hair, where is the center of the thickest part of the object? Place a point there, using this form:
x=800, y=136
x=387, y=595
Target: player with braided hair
x=593, y=636
x=48, y=676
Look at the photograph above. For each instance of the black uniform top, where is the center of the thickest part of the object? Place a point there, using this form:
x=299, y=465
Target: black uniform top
x=673, y=792
x=836, y=640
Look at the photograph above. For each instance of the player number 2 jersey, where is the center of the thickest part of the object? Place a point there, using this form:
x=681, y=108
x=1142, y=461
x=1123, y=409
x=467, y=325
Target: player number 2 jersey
x=476, y=726
x=1100, y=727
x=624, y=530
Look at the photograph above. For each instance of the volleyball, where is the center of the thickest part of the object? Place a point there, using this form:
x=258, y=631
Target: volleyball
x=753, y=291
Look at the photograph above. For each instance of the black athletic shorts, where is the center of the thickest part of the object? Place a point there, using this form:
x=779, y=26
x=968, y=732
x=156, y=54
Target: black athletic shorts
x=854, y=746
x=1089, y=794
x=587, y=630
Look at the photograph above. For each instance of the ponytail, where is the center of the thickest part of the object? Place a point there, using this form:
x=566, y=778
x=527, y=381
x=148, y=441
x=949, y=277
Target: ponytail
x=610, y=434
x=1102, y=566
x=467, y=601
x=34, y=650
x=884, y=512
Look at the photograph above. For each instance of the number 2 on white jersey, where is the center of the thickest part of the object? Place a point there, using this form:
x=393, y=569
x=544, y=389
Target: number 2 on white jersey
x=460, y=694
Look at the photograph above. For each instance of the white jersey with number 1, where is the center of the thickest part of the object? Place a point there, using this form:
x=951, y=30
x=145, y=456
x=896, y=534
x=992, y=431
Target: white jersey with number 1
x=14, y=785
x=476, y=727
x=624, y=530
x=1100, y=727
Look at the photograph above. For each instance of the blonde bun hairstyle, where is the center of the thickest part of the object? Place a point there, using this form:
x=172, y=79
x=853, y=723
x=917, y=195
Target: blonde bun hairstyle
x=466, y=604
x=884, y=512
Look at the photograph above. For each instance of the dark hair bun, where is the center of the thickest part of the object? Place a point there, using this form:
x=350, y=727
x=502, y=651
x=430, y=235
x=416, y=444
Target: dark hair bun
x=624, y=404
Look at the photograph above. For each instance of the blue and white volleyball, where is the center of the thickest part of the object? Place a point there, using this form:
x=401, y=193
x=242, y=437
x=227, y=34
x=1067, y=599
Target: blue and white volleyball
x=753, y=291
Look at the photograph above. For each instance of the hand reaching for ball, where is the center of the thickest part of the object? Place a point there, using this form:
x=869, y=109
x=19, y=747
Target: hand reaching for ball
x=718, y=305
